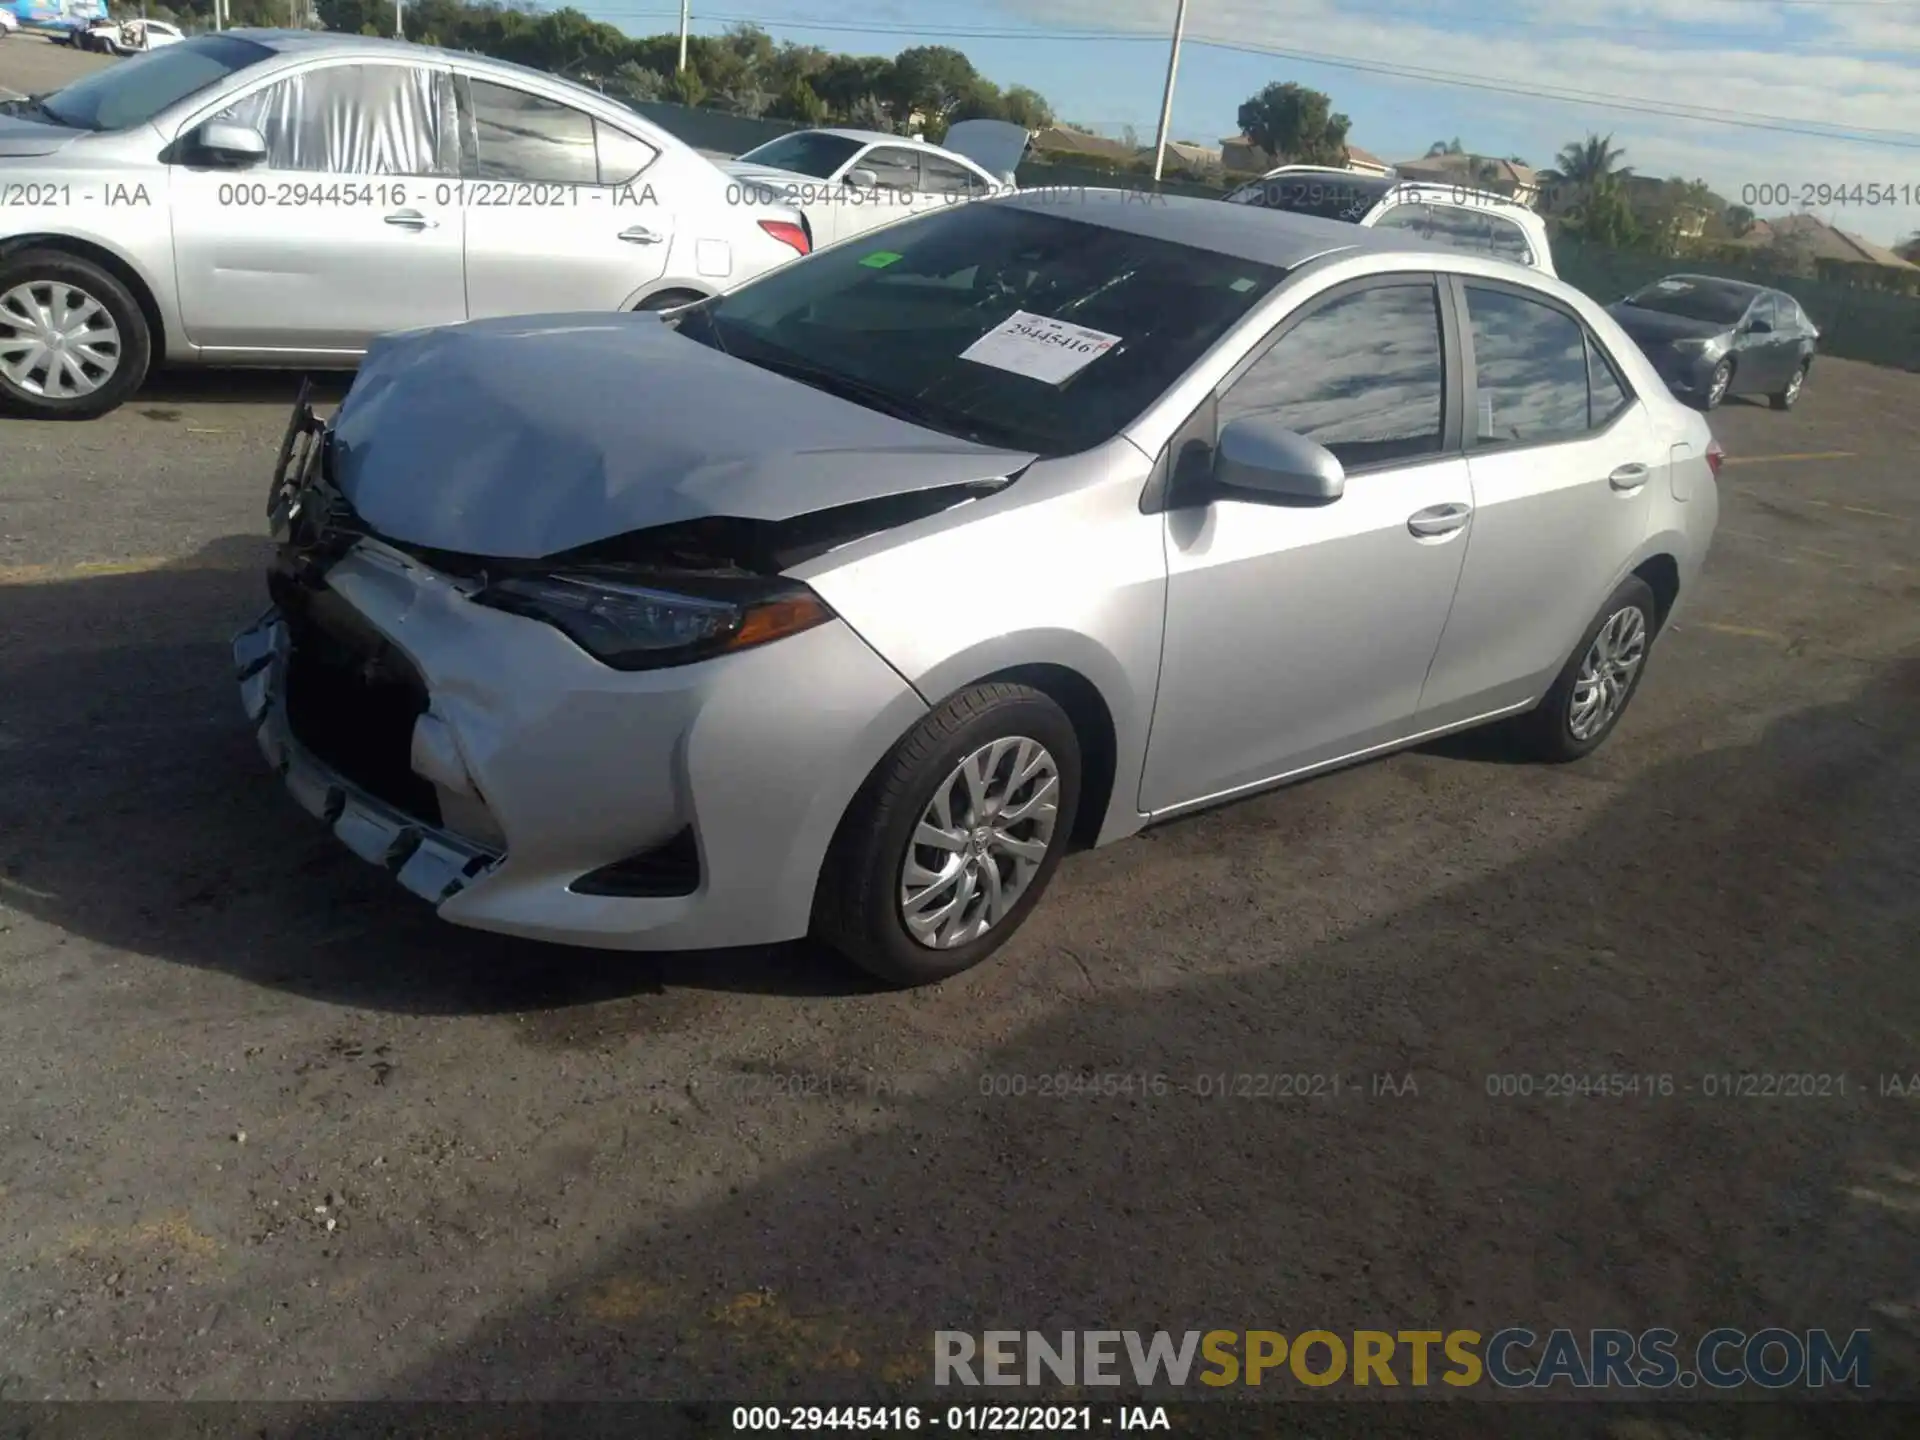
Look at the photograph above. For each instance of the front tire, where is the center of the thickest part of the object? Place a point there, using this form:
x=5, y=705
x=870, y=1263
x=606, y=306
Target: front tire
x=954, y=837
x=74, y=343
x=1786, y=398
x=1600, y=678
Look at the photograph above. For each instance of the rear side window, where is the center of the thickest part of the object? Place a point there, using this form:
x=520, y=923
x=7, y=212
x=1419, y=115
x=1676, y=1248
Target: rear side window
x=621, y=156
x=946, y=177
x=1530, y=370
x=895, y=169
x=1364, y=375
x=521, y=136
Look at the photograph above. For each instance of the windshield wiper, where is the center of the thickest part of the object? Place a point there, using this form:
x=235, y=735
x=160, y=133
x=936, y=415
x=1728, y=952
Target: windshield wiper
x=845, y=386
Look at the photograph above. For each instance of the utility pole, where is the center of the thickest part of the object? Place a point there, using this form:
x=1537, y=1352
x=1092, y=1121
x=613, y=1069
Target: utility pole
x=1166, y=101
x=399, y=27
x=683, y=33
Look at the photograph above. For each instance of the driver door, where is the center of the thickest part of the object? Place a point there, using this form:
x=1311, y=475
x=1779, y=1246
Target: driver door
x=1297, y=635
x=335, y=237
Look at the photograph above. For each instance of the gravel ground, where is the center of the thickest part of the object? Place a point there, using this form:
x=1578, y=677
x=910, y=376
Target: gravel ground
x=270, y=1131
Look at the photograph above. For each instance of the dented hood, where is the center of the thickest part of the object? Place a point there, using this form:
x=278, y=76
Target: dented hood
x=525, y=437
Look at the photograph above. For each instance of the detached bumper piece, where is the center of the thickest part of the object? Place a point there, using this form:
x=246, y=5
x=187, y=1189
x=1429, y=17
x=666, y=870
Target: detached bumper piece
x=427, y=860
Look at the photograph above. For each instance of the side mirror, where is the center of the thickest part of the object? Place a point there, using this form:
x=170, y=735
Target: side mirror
x=1263, y=462
x=861, y=178
x=228, y=144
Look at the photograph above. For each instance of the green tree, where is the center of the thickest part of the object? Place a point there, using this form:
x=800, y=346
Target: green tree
x=799, y=103
x=846, y=80
x=1604, y=216
x=1025, y=106
x=930, y=80
x=1293, y=123
x=1588, y=162
x=1445, y=147
x=1738, y=220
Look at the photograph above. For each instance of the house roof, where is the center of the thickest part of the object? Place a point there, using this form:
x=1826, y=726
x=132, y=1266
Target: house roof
x=1824, y=241
x=1062, y=140
x=1191, y=153
x=1448, y=167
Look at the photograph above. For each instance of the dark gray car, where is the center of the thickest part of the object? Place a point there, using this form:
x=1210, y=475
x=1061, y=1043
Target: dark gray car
x=1710, y=338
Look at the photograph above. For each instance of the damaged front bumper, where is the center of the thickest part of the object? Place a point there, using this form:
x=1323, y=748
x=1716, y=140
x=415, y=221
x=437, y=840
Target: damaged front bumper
x=433, y=863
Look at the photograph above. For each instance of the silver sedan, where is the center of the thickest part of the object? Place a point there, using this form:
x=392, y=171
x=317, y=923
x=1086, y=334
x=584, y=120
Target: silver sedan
x=846, y=603
x=283, y=197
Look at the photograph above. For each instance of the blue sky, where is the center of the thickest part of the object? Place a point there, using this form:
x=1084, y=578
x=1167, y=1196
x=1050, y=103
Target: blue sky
x=1847, y=70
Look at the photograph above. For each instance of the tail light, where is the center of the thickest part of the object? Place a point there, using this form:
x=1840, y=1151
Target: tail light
x=787, y=233
x=1715, y=457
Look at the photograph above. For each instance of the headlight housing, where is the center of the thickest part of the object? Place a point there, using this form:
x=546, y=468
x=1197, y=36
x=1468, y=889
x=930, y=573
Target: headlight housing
x=1707, y=345
x=630, y=622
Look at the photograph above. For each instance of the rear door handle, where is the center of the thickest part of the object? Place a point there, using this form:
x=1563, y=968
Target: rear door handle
x=639, y=235
x=1628, y=478
x=1439, y=520
x=411, y=220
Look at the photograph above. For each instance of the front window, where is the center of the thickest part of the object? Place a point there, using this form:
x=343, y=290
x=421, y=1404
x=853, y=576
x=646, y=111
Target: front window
x=992, y=322
x=356, y=120
x=1694, y=300
x=1332, y=196
x=135, y=90
x=805, y=152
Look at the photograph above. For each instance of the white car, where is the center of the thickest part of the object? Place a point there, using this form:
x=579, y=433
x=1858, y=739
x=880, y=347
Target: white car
x=9, y=24
x=138, y=36
x=847, y=182
x=1480, y=221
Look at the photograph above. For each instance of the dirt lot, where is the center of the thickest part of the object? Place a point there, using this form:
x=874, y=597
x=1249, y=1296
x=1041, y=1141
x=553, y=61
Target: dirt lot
x=271, y=1131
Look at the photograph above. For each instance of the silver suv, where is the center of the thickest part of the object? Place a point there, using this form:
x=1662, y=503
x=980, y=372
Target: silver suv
x=1480, y=221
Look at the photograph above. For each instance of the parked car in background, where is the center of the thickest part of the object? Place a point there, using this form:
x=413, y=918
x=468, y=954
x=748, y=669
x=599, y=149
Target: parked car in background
x=137, y=36
x=281, y=198
x=715, y=629
x=9, y=24
x=1480, y=222
x=1710, y=338
x=851, y=181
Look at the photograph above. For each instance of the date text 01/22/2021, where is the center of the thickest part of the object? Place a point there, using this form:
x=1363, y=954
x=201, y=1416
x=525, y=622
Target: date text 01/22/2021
x=955, y=1419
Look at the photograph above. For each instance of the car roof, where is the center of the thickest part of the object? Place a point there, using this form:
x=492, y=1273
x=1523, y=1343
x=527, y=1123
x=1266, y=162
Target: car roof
x=1717, y=282
x=1246, y=232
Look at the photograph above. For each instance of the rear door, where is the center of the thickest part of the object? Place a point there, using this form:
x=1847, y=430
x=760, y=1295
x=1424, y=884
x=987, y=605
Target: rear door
x=560, y=212
x=1564, y=460
x=897, y=194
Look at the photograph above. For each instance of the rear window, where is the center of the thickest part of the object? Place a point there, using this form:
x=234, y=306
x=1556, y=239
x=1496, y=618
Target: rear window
x=1710, y=300
x=1330, y=197
x=806, y=152
x=992, y=322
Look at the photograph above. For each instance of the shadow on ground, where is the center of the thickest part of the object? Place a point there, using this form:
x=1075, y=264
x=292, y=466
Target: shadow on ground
x=136, y=810
x=1748, y=909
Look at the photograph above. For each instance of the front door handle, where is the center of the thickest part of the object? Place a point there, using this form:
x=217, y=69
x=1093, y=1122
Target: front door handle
x=1439, y=520
x=639, y=235
x=1628, y=478
x=411, y=220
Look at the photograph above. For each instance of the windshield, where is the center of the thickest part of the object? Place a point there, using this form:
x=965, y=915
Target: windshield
x=992, y=322
x=1694, y=300
x=1329, y=196
x=806, y=152
x=135, y=90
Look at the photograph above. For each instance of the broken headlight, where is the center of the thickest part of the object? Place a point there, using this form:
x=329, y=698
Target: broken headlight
x=634, y=626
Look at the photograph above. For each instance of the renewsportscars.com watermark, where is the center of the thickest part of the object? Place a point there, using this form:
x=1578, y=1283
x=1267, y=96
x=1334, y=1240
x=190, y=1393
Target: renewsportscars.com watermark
x=1512, y=1359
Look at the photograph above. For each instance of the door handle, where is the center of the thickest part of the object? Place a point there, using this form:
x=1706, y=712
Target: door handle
x=411, y=220
x=1439, y=520
x=1628, y=478
x=639, y=235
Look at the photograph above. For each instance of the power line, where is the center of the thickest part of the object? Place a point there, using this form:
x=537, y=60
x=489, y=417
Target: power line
x=1631, y=104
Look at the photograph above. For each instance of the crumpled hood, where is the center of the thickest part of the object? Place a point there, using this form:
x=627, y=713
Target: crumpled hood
x=1658, y=327
x=21, y=137
x=523, y=437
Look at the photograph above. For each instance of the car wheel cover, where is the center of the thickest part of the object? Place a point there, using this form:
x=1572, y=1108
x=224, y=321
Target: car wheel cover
x=979, y=843
x=1793, y=385
x=1722, y=379
x=1606, y=673
x=56, y=341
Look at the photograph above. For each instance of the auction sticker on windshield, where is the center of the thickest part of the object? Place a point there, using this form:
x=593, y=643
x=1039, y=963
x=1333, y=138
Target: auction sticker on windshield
x=1039, y=347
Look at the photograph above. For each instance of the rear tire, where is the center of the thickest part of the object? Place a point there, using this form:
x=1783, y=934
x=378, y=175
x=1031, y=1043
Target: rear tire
x=880, y=867
x=1599, y=680
x=84, y=300
x=1786, y=398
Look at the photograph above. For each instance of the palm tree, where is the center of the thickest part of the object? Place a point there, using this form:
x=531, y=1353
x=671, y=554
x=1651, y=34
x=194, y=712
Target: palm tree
x=1585, y=163
x=1445, y=147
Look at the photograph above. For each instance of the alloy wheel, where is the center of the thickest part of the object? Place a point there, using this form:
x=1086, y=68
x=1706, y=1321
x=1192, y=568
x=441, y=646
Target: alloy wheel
x=1607, y=672
x=979, y=842
x=1722, y=379
x=1793, y=384
x=56, y=340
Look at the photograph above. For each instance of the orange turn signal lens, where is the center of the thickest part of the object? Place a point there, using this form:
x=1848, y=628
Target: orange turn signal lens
x=776, y=619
